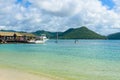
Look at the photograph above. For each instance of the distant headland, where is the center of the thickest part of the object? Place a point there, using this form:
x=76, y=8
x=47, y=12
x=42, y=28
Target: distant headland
x=73, y=33
x=78, y=33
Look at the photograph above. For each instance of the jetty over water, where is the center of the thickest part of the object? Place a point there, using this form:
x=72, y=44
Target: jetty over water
x=15, y=37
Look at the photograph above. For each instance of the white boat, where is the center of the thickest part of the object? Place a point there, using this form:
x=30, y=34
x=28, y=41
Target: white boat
x=39, y=40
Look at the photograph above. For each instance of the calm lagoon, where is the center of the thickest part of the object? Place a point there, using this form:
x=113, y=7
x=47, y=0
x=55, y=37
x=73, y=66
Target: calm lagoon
x=65, y=60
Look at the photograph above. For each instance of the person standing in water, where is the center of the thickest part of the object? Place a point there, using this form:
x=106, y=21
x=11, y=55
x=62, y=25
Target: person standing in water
x=76, y=41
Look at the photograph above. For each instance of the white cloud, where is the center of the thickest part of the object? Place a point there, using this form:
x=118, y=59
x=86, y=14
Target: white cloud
x=117, y=5
x=59, y=15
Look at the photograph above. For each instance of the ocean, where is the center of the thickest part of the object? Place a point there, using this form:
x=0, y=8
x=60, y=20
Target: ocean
x=65, y=60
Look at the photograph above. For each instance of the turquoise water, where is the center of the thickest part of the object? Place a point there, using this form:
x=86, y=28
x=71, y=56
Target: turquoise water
x=65, y=60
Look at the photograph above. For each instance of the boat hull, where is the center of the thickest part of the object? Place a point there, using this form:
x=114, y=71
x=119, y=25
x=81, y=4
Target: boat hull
x=38, y=41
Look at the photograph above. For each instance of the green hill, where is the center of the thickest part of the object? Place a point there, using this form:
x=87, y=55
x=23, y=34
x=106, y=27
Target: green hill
x=81, y=33
x=50, y=35
x=78, y=33
x=114, y=36
x=7, y=31
x=12, y=31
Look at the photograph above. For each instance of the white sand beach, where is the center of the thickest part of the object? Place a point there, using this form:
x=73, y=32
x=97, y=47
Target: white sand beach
x=10, y=74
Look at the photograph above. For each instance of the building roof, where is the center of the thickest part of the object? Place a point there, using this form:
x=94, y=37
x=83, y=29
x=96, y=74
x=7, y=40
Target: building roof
x=27, y=34
x=17, y=33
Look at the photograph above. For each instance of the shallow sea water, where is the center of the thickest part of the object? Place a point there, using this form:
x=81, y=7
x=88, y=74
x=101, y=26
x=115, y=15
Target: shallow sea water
x=85, y=60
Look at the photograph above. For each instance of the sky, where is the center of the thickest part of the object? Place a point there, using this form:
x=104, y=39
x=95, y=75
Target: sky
x=101, y=16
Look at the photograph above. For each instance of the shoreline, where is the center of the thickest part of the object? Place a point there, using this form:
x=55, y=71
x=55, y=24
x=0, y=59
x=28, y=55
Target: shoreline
x=14, y=74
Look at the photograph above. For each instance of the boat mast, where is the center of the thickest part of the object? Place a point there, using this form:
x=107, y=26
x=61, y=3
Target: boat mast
x=57, y=33
x=57, y=37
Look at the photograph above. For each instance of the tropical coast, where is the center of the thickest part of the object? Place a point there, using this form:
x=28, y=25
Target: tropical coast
x=59, y=39
x=87, y=60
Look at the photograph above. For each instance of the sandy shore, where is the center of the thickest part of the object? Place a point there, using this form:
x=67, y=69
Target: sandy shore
x=10, y=74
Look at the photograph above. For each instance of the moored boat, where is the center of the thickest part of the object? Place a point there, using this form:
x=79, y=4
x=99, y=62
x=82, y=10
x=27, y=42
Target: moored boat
x=39, y=39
